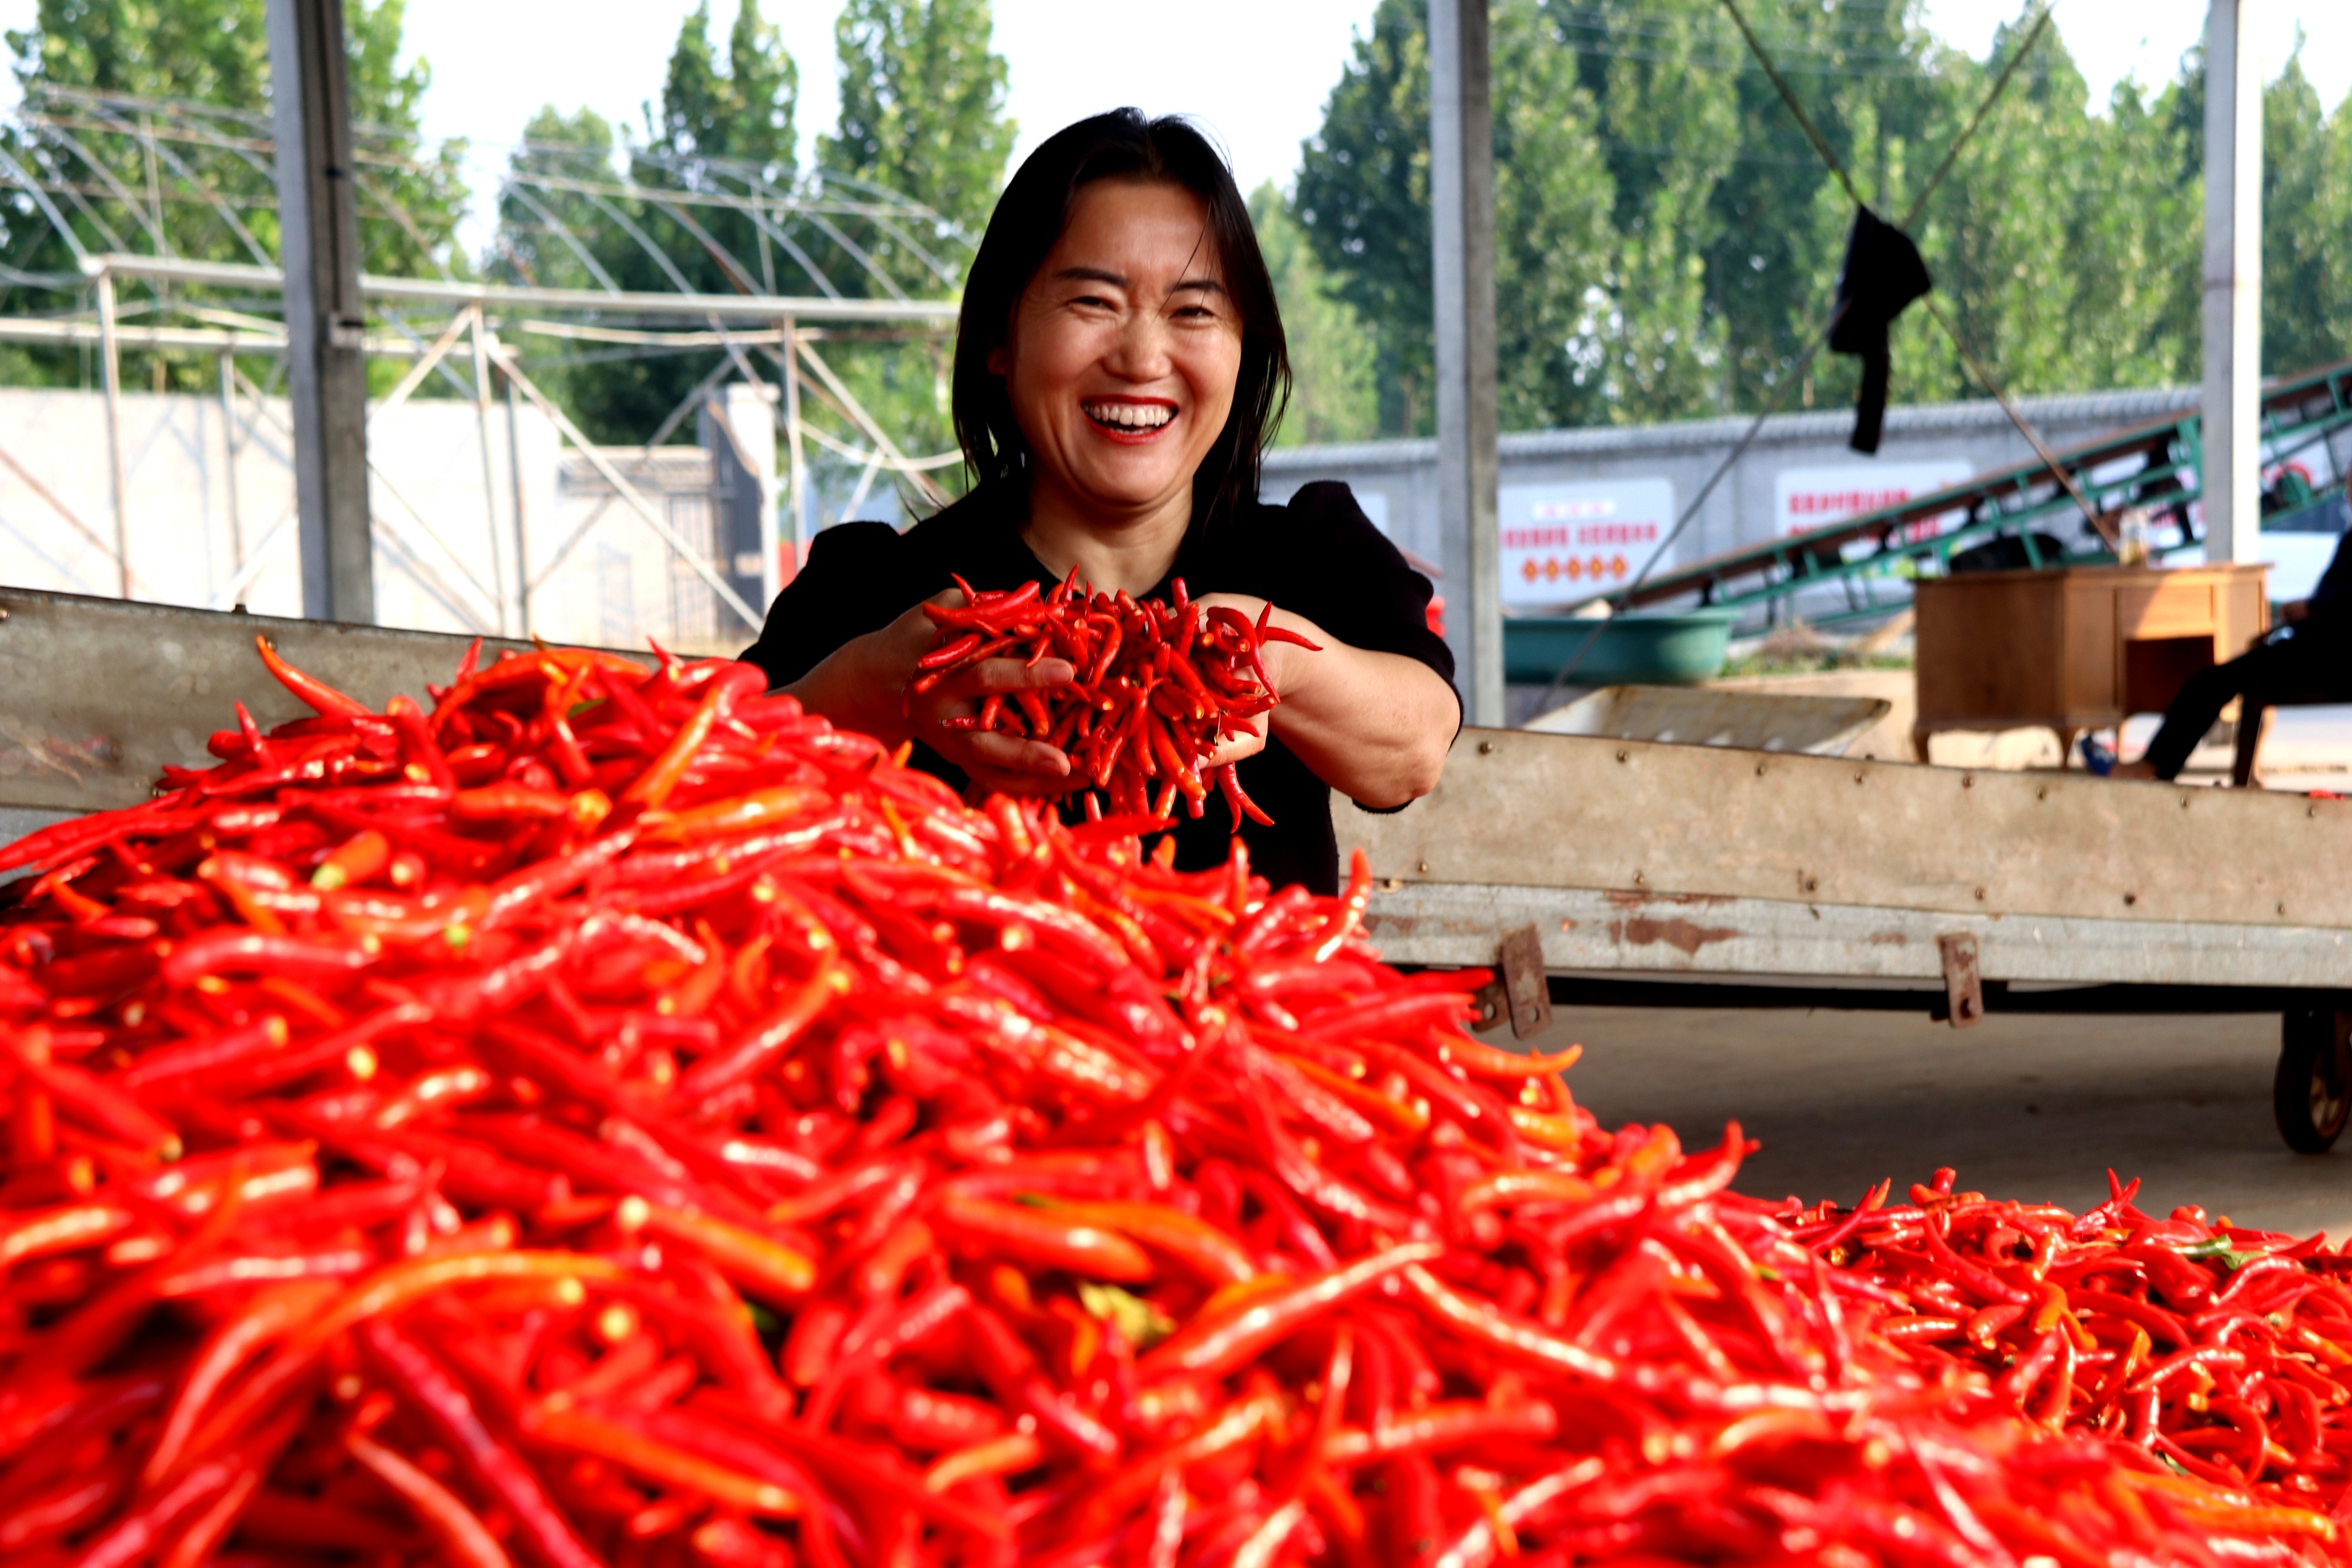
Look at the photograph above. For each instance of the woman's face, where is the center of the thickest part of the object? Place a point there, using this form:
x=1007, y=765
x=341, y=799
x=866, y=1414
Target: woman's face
x=1124, y=349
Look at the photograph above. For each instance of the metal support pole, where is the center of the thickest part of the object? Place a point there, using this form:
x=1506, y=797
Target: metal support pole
x=326, y=370
x=628, y=492
x=229, y=441
x=1462, y=278
x=801, y=531
x=772, y=575
x=2232, y=461
x=489, y=472
x=521, y=538
x=738, y=428
x=109, y=352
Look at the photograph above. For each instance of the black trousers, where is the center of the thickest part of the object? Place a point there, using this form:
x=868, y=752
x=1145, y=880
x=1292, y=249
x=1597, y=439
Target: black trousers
x=2316, y=660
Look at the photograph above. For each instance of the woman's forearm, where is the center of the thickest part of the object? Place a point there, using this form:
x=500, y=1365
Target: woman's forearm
x=1375, y=727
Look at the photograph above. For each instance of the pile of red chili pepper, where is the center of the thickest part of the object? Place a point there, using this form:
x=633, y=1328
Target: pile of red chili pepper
x=1159, y=687
x=615, y=1118
x=2227, y=1351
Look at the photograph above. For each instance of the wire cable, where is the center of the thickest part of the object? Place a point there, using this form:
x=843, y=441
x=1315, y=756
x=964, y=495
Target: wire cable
x=2008, y=69
x=1756, y=426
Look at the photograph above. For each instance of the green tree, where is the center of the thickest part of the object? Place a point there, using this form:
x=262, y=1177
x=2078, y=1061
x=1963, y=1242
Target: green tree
x=718, y=148
x=1998, y=234
x=1332, y=354
x=742, y=113
x=1666, y=131
x=922, y=112
x=1727, y=227
x=539, y=242
x=2307, y=227
x=723, y=140
x=1552, y=238
x=2136, y=246
x=214, y=56
x=1662, y=214
x=549, y=237
x=1363, y=199
x=922, y=116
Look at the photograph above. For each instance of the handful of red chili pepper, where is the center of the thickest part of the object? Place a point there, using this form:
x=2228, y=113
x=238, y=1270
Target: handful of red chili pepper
x=1159, y=687
x=2226, y=1352
x=616, y=1118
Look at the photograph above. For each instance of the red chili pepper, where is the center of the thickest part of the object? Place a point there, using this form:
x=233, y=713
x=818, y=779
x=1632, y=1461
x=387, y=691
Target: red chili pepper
x=1216, y=1346
x=230, y=951
x=1122, y=718
x=462, y=1537
x=1042, y=1238
x=324, y=699
x=86, y=1097
x=1005, y=1130
x=437, y=1397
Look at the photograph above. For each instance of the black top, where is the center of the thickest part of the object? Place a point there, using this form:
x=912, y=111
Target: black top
x=1318, y=556
x=2334, y=594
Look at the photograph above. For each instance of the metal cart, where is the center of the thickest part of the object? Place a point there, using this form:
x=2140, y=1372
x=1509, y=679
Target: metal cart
x=1608, y=871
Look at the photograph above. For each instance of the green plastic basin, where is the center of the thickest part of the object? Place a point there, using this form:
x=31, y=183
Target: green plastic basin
x=1631, y=650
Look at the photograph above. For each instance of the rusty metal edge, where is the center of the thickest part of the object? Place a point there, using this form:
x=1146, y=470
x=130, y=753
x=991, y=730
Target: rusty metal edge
x=1598, y=931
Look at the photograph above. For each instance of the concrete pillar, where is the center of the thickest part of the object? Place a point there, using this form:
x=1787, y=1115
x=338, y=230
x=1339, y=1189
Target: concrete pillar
x=738, y=428
x=804, y=527
x=326, y=373
x=1462, y=280
x=2231, y=468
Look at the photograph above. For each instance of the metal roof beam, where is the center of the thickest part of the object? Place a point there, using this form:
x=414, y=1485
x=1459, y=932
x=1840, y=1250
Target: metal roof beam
x=761, y=308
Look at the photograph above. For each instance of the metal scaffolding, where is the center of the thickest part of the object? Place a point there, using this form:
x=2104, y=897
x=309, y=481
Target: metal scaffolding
x=154, y=202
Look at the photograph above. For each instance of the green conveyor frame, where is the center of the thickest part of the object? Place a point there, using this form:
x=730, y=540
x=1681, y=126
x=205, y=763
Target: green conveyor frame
x=2153, y=466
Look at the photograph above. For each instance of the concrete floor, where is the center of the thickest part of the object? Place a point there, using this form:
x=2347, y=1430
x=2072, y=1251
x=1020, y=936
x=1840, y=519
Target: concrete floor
x=2024, y=1107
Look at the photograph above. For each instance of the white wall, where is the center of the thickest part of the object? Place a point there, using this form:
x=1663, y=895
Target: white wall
x=435, y=527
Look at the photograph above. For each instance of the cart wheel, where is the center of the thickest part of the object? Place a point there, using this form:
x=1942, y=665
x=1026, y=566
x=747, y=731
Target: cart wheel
x=2311, y=1096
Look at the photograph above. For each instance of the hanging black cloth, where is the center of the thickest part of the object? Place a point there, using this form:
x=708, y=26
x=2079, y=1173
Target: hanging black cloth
x=1883, y=274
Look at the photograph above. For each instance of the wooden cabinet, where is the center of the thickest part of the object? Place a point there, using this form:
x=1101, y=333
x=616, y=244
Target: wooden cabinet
x=2075, y=650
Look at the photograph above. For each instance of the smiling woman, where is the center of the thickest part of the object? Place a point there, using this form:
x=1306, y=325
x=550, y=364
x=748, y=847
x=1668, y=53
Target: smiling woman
x=1119, y=367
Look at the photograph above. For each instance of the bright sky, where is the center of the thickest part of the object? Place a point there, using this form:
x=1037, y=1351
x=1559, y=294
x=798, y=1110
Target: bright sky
x=494, y=64
x=2110, y=39
x=1256, y=72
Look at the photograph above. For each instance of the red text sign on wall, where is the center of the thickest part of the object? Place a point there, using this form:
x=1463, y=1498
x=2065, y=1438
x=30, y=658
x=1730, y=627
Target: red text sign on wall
x=1561, y=543
x=1809, y=498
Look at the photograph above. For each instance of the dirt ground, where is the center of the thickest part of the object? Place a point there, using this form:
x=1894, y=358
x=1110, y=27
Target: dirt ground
x=2024, y=1107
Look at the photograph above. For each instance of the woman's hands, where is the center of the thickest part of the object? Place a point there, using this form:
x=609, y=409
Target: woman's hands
x=1278, y=659
x=1374, y=726
x=865, y=686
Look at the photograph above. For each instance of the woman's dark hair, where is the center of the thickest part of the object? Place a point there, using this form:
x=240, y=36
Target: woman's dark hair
x=1028, y=222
